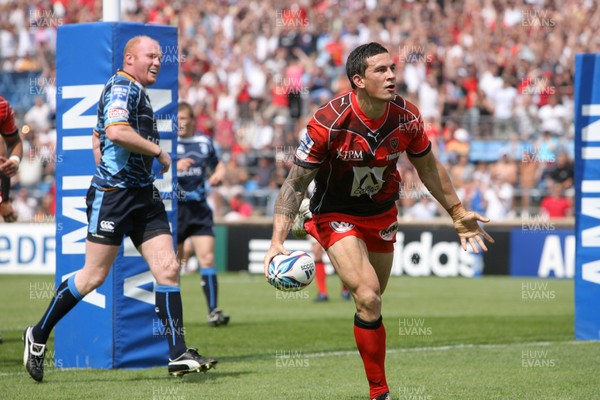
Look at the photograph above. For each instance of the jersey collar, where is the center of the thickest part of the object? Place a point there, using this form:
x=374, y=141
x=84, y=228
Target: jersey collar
x=126, y=75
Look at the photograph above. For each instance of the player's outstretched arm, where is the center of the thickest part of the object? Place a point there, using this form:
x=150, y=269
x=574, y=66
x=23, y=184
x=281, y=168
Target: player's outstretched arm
x=467, y=226
x=436, y=179
x=286, y=207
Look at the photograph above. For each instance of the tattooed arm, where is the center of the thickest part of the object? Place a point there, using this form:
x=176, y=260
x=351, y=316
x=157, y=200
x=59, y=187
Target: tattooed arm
x=435, y=178
x=286, y=207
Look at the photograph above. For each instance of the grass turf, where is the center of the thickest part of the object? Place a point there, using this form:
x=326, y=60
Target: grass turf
x=452, y=338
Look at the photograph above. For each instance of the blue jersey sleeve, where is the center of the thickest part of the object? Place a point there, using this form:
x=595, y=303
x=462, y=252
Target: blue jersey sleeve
x=120, y=104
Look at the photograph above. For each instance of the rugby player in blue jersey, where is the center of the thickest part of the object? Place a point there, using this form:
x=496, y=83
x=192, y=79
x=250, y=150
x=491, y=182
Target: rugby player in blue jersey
x=197, y=165
x=122, y=200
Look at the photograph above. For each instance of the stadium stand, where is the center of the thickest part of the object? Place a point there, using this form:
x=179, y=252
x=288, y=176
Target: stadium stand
x=494, y=81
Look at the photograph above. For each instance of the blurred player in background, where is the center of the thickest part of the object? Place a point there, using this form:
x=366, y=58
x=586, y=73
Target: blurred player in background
x=122, y=200
x=11, y=152
x=321, y=274
x=351, y=149
x=317, y=253
x=196, y=159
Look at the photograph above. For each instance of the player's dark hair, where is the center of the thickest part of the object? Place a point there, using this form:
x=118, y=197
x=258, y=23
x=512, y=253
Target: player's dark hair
x=186, y=106
x=357, y=60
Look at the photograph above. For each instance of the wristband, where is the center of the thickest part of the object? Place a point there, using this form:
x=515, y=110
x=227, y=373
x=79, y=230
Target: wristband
x=16, y=159
x=159, y=153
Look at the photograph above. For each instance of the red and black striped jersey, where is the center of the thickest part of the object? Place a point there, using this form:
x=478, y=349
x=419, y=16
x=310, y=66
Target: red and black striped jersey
x=7, y=118
x=357, y=156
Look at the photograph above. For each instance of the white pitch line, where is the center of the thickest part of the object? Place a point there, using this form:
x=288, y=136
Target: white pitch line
x=389, y=351
x=421, y=349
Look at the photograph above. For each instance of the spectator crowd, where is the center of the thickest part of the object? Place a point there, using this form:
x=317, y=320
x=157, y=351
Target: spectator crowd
x=488, y=74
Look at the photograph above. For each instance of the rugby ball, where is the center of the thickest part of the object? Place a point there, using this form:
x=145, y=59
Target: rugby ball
x=291, y=273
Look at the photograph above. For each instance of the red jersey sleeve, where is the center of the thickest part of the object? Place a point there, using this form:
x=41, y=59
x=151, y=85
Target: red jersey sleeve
x=420, y=143
x=7, y=119
x=314, y=145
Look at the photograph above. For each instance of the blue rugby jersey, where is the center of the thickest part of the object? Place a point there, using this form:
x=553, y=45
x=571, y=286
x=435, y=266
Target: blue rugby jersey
x=124, y=102
x=192, y=183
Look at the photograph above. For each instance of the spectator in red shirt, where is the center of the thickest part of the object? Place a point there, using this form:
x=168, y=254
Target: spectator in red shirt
x=556, y=205
x=469, y=102
x=205, y=122
x=335, y=50
x=240, y=208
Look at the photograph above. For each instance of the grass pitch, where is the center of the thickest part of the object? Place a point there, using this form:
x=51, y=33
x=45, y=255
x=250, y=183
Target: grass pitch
x=454, y=338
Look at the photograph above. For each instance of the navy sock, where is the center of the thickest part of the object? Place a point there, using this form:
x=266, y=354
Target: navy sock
x=210, y=286
x=65, y=298
x=170, y=313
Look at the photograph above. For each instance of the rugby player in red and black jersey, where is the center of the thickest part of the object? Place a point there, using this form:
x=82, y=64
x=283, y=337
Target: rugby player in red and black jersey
x=11, y=152
x=350, y=149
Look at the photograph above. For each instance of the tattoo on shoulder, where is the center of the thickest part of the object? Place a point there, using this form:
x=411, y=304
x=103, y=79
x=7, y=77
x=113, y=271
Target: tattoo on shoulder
x=292, y=190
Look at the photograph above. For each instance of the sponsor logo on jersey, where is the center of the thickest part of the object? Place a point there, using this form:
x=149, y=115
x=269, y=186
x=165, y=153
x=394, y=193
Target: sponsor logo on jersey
x=350, y=155
x=341, y=227
x=392, y=156
x=369, y=190
x=389, y=233
x=306, y=143
x=117, y=113
x=119, y=93
x=107, y=226
x=367, y=180
x=192, y=171
x=374, y=135
x=118, y=97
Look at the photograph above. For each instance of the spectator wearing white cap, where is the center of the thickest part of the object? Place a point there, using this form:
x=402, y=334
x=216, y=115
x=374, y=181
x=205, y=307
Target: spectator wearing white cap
x=458, y=145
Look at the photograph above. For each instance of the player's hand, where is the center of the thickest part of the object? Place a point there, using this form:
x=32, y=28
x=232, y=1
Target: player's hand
x=8, y=167
x=8, y=212
x=165, y=160
x=468, y=229
x=184, y=164
x=275, y=249
x=215, y=180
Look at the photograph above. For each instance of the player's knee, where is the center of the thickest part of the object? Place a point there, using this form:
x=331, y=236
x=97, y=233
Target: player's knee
x=207, y=260
x=96, y=281
x=171, y=270
x=166, y=272
x=368, y=301
x=90, y=280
